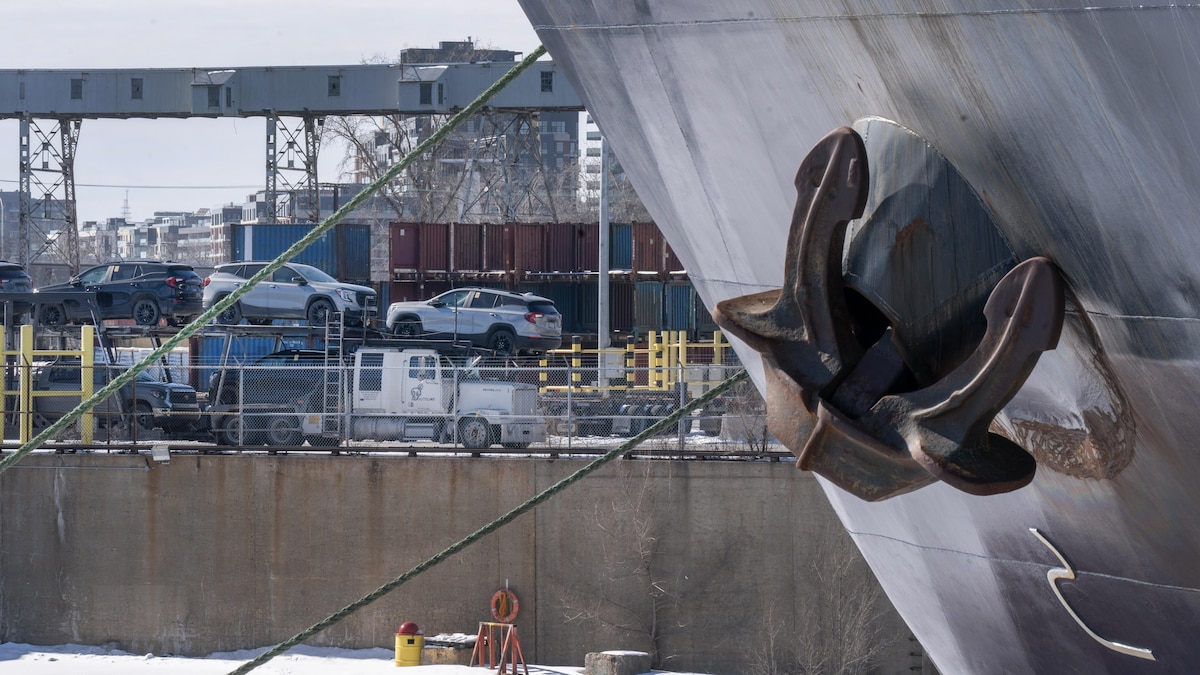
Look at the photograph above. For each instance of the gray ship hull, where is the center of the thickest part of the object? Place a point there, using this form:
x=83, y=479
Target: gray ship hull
x=1077, y=127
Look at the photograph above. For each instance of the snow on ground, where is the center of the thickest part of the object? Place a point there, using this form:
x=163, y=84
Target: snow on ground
x=301, y=660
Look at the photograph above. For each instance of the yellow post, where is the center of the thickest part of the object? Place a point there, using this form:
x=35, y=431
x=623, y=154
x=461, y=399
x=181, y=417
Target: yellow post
x=683, y=358
x=576, y=360
x=718, y=349
x=87, y=356
x=25, y=386
x=630, y=363
x=542, y=375
x=652, y=360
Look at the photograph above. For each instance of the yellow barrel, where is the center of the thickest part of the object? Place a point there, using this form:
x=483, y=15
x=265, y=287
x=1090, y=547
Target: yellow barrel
x=409, y=642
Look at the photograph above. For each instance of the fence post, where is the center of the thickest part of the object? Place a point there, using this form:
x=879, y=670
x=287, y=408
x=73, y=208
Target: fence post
x=25, y=388
x=630, y=363
x=87, y=358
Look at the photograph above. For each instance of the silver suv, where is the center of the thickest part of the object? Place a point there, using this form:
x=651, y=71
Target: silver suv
x=294, y=291
x=504, y=322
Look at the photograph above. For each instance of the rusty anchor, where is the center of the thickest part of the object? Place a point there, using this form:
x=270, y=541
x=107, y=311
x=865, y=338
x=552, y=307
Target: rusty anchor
x=836, y=391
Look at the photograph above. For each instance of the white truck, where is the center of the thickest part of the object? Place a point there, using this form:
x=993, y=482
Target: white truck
x=389, y=394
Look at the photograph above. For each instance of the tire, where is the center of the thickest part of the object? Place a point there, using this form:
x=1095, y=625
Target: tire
x=502, y=342
x=323, y=441
x=143, y=414
x=406, y=328
x=145, y=312
x=283, y=430
x=52, y=315
x=231, y=428
x=474, y=433
x=231, y=316
x=320, y=311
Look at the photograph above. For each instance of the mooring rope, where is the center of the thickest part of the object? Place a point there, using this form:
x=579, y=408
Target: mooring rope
x=225, y=303
x=653, y=430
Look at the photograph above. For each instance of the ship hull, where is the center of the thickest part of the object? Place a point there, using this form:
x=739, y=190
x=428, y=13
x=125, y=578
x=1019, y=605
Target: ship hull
x=1077, y=129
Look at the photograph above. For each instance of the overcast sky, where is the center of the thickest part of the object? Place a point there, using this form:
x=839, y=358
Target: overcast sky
x=170, y=164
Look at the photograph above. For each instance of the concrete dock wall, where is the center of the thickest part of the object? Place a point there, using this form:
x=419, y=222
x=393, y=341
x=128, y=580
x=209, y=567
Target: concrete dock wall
x=711, y=566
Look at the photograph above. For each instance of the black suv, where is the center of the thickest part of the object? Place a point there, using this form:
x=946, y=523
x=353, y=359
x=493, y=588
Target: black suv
x=142, y=290
x=14, y=279
x=151, y=403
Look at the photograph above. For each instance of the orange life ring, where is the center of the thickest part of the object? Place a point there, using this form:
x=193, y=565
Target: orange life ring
x=504, y=606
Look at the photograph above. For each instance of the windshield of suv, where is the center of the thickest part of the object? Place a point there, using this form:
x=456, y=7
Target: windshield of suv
x=314, y=274
x=543, y=307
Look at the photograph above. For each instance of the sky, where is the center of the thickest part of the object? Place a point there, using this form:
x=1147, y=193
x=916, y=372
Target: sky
x=182, y=165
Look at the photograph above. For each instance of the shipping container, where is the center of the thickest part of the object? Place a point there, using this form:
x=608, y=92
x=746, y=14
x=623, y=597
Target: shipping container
x=529, y=247
x=704, y=321
x=498, y=247
x=587, y=247
x=588, y=303
x=343, y=252
x=565, y=296
x=412, y=291
x=435, y=247
x=621, y=301
x=647, y=248
x=405, y=247
x=672, y=263
x=648, y=306
x=468, y=247
x=559, y=244
x=678, y=312
x=243, y=349
x=620, y=246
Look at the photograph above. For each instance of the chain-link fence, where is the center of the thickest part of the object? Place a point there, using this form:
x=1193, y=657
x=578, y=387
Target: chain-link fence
x=386, y=399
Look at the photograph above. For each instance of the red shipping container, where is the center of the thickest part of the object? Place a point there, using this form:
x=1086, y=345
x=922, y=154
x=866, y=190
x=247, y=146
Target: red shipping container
x=559, y=245
x=405, y=291
x=405, y=246
x=435, y=247
x=620, y=306
x=587, y=247
x=672, y=262
x=468, y=247
x=647, y=248
x=529, y=247
x=498, y=247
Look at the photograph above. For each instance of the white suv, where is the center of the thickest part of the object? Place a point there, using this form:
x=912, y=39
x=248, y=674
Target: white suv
x=294, y=291
x=504, y=322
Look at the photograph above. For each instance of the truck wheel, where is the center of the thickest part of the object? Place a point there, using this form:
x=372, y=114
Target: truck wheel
x=283, y=430
x=473, y=432
x=232, y=432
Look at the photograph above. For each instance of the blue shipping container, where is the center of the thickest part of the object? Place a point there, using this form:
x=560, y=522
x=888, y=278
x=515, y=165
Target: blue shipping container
x=677, y=303
x=207, y=351
x=620, y=247
x=343, y=252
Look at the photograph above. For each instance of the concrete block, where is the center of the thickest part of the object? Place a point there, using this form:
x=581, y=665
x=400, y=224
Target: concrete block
x=617, y=662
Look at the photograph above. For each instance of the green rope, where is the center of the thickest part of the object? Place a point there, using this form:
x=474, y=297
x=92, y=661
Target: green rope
x=653, y=430
x=187, y=331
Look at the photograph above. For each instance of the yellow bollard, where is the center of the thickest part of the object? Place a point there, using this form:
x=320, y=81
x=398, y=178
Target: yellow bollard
x=409, y=643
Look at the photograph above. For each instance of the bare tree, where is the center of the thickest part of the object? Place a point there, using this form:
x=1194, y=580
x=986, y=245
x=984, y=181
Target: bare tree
x=840, y=623
x=639, y=597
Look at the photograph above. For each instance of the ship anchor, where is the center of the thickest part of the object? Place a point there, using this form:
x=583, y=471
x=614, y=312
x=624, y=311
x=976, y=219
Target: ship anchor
x=838, y=391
